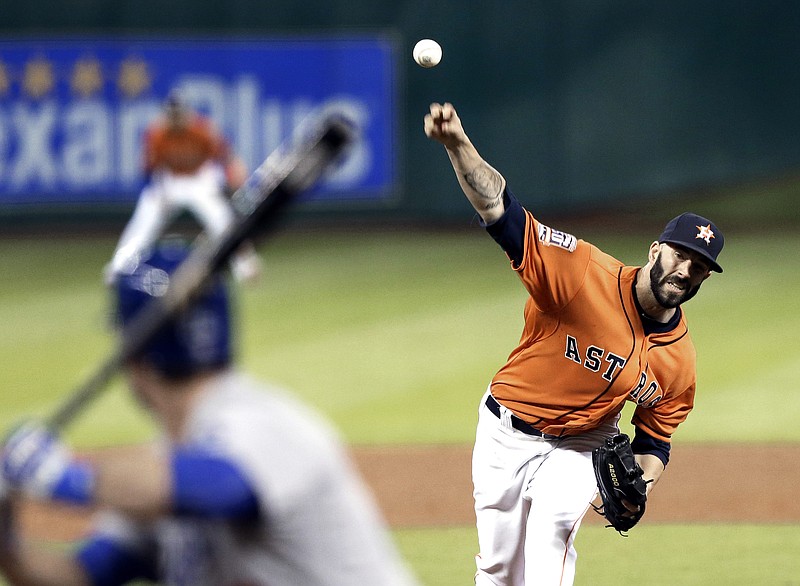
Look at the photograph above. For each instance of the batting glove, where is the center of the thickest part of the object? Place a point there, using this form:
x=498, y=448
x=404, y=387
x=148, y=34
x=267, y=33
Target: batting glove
x=37, y=463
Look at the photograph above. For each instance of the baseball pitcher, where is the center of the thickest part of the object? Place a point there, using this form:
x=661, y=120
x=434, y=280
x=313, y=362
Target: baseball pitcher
x=596, y=334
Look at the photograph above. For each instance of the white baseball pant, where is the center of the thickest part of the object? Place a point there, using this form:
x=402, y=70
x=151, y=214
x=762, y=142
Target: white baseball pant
x=161, y=201
x=531, y=494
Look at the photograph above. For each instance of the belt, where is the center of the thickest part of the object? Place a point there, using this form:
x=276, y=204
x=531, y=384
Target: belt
x=516, y=422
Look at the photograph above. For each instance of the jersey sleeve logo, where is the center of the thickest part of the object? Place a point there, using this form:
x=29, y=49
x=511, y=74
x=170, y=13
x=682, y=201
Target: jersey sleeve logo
x=550, y=237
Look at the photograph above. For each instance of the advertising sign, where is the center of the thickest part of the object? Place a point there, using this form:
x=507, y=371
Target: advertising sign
x=73, y=111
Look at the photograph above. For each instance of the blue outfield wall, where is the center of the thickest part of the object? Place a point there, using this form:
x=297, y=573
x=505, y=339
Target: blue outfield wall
x=582, y=104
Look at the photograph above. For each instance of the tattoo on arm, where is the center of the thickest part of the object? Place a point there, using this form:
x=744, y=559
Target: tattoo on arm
x=487, y=183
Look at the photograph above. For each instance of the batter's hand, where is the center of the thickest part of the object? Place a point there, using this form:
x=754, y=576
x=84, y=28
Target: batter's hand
x=443, y=125
x=37, y=463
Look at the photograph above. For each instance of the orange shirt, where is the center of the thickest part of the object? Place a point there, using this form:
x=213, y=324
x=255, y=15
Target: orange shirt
x=583, y=351
x=183, y=150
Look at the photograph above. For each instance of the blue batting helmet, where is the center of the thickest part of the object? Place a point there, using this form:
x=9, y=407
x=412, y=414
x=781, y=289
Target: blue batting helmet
x=199, y=337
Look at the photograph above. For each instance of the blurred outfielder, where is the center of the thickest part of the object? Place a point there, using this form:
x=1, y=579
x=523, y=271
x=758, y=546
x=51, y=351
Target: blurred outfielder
x=247, y=486
x=189, y=165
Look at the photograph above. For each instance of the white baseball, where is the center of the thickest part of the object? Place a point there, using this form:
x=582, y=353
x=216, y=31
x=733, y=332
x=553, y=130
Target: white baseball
x=427, y=53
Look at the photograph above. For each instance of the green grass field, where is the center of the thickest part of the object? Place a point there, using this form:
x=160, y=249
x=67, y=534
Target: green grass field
x=652, y=555
x=394, y=335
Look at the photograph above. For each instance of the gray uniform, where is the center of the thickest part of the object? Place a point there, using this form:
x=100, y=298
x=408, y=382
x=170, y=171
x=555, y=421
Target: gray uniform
x=320, y=525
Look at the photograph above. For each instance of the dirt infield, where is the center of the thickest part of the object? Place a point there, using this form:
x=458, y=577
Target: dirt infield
x=430, y=486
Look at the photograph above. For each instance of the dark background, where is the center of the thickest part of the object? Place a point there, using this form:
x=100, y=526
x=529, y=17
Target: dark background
x=584, y=105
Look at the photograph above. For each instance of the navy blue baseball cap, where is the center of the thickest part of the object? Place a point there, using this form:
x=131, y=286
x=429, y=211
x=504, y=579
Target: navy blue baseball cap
x=199, y=337
x=695, y=233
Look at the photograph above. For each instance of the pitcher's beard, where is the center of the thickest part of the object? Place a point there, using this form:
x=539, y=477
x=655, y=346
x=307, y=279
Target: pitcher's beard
x=667, y=298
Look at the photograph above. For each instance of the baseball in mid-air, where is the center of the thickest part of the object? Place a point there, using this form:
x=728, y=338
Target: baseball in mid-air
x=427, y=53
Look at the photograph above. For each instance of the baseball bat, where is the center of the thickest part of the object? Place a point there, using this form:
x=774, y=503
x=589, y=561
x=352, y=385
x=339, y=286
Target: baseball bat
x=259, y=204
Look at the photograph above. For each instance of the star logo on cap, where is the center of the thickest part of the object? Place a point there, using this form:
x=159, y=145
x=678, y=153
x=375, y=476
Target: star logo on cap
x=705, y=233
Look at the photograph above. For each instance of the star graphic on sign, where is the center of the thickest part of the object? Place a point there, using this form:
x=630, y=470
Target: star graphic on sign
x=87, y=77
x=38, y=78
x=134, y=77
x=705, y=233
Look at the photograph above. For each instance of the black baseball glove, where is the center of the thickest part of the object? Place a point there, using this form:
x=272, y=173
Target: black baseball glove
x=619, y=479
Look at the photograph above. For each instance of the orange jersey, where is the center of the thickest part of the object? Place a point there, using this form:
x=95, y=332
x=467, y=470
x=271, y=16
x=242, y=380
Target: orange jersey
x=183, y=150
x=584, y=351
